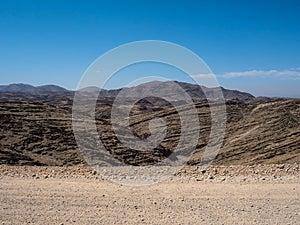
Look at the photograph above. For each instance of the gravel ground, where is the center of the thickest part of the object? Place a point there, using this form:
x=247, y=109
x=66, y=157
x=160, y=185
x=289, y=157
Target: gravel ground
x=261, y=194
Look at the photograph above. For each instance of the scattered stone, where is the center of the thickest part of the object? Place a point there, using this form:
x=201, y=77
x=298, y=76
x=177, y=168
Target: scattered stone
x=280, y=166
x=210, y=177
x=215, y=171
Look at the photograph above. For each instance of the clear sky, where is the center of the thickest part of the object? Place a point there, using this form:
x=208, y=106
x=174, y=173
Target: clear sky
x=252, y=46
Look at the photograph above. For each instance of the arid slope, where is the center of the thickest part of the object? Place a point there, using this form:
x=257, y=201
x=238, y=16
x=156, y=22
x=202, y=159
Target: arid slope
x=39, y=132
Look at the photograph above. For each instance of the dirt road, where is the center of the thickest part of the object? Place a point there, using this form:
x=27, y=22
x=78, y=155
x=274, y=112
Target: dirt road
x=83, y=200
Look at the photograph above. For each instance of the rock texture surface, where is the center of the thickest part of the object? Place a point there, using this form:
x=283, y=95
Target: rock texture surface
x=39, y=133
x=36, y=129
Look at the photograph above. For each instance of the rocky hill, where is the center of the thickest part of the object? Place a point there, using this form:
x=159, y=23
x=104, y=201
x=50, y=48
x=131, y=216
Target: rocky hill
x=196, y=92
x=36, y=129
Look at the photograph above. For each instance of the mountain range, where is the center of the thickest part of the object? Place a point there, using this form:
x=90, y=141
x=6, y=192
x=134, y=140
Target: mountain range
x=36, y=126
x=26, y=88
x=196, y=92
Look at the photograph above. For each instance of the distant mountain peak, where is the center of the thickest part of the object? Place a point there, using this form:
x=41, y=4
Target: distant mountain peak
x=26, y=88
x=161, y=88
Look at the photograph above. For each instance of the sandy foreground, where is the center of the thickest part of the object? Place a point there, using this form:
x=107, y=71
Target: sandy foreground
x=218, y=195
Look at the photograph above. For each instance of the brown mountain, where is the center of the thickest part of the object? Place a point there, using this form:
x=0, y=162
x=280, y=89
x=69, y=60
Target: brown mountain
x=36, y=129
x=196, y=92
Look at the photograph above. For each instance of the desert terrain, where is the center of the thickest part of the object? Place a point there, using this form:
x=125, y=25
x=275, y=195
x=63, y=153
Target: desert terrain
x=258, y=194
x=44, y=178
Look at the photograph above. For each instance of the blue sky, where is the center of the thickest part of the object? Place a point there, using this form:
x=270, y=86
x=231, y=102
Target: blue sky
x=251, y=46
